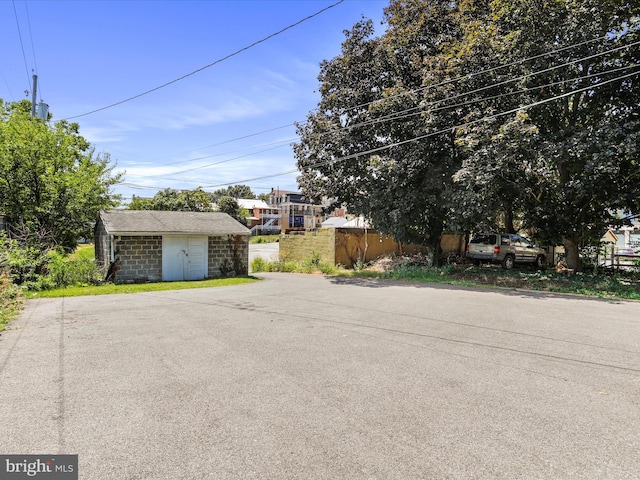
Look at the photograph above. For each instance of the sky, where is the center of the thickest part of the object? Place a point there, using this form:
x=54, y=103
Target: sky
x=230, y=123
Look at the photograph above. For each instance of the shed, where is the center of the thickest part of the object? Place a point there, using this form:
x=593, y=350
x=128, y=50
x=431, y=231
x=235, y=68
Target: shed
x=148, y=245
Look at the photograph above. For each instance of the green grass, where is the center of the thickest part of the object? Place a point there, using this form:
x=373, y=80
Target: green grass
x=264, y=239
x=110, y=288
x=84, y=251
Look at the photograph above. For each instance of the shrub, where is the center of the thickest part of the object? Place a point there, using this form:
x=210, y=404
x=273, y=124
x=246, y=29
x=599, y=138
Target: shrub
x=26, y=263
x=10, y=300
x=258, y=264
x=35, y=269
x=65, y=271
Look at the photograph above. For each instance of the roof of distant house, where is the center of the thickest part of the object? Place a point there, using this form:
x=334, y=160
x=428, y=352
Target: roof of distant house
x=250, y=203
x=150, y=222
x=358, y=222
x=334, y=222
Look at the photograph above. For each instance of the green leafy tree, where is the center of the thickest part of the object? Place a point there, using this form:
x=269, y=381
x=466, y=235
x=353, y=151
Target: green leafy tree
x=368, y=144
x=567, y=163
x=52, y=184
x=506, y=114
x=196, y=200
x=234, y=191
x=230, y=206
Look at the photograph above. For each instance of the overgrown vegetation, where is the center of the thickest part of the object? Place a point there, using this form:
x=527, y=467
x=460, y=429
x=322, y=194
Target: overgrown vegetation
x=622, y=285
x=11, y=300
x=33, y=269
x=311, y=265
x=52, y=183
x=264, y=239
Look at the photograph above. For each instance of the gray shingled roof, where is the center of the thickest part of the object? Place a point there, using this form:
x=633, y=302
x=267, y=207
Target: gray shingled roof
x=147, y=222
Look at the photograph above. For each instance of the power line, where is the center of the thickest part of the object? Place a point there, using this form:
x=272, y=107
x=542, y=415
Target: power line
x=419, y=89
x=210, y=64
x=472, y=74
x=284, y=144
x=247, y=136
x=439, y=132
x=24, y=57
x=489, y=70
x=395, y=115
x=405, y=114
x=33, y=48
x=8, y=87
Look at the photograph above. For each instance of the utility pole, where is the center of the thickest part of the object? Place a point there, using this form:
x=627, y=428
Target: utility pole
x=33, y=96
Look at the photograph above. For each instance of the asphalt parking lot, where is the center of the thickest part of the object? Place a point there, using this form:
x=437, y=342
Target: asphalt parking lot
x=303, y=376
x=267, y=251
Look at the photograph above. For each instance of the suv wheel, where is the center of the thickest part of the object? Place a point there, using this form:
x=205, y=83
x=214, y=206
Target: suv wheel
x=540, y=263
x=507, y=262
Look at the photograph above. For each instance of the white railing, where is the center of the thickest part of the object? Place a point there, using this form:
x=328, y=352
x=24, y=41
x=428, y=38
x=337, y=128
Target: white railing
x=267, y=227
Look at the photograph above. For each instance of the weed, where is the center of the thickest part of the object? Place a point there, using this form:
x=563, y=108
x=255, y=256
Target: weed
x=258, y=264
x=11, y=301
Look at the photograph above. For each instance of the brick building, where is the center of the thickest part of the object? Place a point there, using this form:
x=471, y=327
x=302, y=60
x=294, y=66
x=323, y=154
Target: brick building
x=146, y=245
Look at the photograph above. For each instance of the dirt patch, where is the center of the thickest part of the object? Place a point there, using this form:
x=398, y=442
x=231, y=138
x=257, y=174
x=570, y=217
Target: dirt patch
x=391, y=262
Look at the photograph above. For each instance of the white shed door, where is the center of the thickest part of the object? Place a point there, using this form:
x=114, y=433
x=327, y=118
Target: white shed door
x=184, y=257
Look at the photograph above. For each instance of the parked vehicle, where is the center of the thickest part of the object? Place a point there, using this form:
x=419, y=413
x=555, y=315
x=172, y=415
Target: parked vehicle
x=506, y=249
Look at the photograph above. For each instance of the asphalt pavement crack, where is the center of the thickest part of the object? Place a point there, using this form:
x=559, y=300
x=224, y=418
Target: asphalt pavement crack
x=61, y=389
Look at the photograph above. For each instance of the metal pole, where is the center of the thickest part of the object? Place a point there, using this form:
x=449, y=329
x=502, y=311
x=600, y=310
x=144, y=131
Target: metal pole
x=33, y=96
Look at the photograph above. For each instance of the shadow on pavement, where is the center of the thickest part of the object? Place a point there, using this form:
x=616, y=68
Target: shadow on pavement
x=511, y=292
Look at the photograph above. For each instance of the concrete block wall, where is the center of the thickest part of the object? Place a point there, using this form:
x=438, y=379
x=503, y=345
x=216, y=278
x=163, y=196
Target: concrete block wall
x=102, y=242
x=140, y=258
x=228, y=252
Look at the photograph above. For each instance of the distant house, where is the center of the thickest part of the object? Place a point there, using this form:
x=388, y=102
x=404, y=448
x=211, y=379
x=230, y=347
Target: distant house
x=147, y=245
x=334, y=222
x=629, y=236
x=263, y=218
x=296, y=211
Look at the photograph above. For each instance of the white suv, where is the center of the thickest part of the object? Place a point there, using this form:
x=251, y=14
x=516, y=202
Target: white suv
x=506, y=249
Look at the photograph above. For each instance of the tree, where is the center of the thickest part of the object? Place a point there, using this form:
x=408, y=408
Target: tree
x=569, y=162
x=196, y=200
x=264, y=197
x=504, y=113
x=366, y=144
x=52, y=184
x=234, y=191
x=229, y=205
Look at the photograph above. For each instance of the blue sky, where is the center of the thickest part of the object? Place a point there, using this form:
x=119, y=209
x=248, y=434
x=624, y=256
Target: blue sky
x=90, y=54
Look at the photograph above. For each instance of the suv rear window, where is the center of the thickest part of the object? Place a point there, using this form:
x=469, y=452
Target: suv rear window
x=481, y=238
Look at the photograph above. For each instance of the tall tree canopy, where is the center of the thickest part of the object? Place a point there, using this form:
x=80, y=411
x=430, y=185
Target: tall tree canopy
x=52, y=184
x=469, y=114
x=230, y=206
x=234, y=191
x=196, y=200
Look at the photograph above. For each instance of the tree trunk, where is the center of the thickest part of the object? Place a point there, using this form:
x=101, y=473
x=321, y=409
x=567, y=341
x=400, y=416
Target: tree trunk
x=436, y=248
x=572, y=256
x=508, y=219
